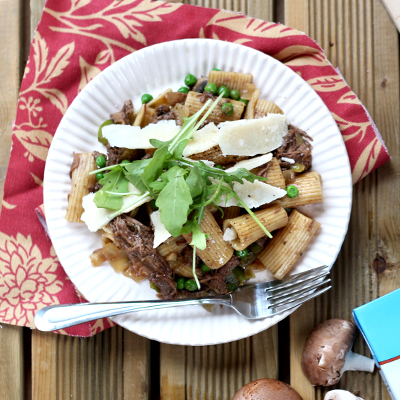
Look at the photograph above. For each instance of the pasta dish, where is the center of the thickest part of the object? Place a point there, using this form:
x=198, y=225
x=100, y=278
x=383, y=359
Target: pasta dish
x=197, y=190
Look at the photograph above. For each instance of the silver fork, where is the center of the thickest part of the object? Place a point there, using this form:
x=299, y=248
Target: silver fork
x=257, y=301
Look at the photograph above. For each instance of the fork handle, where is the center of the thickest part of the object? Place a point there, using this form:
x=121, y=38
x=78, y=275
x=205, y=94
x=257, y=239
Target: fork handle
x=65, y=315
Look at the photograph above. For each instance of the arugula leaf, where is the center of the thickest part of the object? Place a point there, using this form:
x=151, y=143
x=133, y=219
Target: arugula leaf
x=157, y=143
x=196, y=182
x=173, y=202
x=155, y=167
x=198, y=237
x=113, y=181
x=133, y=172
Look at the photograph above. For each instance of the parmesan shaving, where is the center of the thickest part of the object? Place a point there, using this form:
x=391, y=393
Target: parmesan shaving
x=289, y=160
x=203, y=140
x=134, y=137
x=252, y=136
x=160, y=233
x=252, y=163
x=95, y=217
x=229, y=234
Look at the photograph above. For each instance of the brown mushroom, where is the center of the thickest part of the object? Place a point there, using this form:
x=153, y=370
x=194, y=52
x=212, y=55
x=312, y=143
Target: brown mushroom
x=266, y=389
x=341, y=395
x=327, y=353
x=200, y=84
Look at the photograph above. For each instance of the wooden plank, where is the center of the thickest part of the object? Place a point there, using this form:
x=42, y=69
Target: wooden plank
x=136, y=367
x=393, y=8
x=172, y=372
x=11, y=337
x=297, y=14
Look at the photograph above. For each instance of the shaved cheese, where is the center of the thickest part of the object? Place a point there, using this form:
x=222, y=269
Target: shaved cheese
x=249, y=137
x=252, y=194
x=252, y=163
x=95, y=217
x=203, y=139
x=134, y=137
x=229, y=234
x=160, y=233
x=289, y=160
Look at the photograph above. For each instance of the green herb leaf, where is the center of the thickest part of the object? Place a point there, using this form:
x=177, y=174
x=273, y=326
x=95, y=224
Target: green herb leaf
x=198, y=237
x=113, y=181
x=133, y=172
x=174, y=201
x=196, y=182
x=155, y=167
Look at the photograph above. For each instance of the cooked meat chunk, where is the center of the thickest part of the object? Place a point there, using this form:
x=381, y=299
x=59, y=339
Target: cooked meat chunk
x=117, y=154
x=215, y=280
x=125, y=116
x=296, y=147
x=137, y=240
x=164, y=113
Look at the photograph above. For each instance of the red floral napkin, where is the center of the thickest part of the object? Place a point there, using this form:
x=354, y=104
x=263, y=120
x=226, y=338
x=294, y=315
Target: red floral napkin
x=76, y=40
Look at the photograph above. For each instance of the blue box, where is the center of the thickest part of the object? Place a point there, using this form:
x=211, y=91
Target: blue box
x=379, y=323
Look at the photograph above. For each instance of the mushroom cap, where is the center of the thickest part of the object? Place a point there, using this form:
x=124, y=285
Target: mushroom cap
x=325, y=351
x=266, y=389
x=339, y=394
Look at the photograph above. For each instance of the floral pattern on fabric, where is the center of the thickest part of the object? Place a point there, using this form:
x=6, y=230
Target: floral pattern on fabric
x=74, y=42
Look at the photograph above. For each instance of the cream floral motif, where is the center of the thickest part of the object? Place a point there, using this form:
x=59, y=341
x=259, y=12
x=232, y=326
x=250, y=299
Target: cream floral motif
x=28, y=281
x=125, y=15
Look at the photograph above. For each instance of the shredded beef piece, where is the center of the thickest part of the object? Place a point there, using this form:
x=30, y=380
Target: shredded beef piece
x=262, y=241
x=295, y=146
x=262, y=170
x=125, y=116
x=137, y=240
x=164, y=113
x=215, y=280
x=205, y=96
x=117, y=154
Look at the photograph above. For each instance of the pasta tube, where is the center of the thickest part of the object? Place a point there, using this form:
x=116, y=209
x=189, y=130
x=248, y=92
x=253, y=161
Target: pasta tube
x=218, y=252
x=249, y=113
x=232, y=80
x=82, y=164
x=265, y=107
x=273, y=174
x=194, y=104
x=248, y=231
x=310, y=191
x=286, y=247
x=172, y=245
x=181, y=268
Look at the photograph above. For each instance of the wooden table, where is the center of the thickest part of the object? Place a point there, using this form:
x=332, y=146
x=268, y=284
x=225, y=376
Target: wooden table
x=358, y=37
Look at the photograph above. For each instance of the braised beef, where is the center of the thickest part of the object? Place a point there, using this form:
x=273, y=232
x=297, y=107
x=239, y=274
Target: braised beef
x=137, y=240
x=215, y=279
x=296, y=147
x=125, y=116
x=164, y=113
x=117, y=154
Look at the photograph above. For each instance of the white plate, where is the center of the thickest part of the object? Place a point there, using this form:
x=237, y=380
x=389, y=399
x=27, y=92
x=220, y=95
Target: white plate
x=152, y=70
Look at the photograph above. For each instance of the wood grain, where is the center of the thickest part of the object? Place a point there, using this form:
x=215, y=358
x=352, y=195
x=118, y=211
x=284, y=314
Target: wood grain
x=11, y=347
x=393, y=8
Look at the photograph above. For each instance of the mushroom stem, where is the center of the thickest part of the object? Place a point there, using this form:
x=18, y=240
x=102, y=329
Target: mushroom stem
x=357, y=362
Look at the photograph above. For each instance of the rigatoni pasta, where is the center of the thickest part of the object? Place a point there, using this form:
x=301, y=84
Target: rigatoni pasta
x=218, y=251
x=310, y=191
x=247, y=230
x=81, y=184
x=265, y=107
x=287, y=246
x=232, y=80
x=273, y=174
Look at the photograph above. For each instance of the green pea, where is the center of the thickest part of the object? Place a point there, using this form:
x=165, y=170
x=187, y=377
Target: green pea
x=235, y=95
x=242, y=253
x=146, y=98
x=215, y=69
x=225, y=90
x=211, y=87
x=244, y=101
x=255, y=248
x=125, y=162
x=183, y=89
x=100, y=136
x=231, y=287
x=292, y=191
x=99, y=176
x=227, y=109
x=190, y=80
x=191, y=285
x=101, y=161
x=205, y=268
x=219, y=166
x=180, y=283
